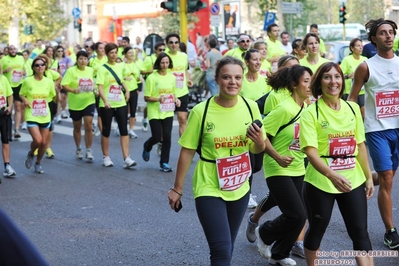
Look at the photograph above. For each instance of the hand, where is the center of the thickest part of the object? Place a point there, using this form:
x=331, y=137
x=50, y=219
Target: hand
x=178, y=103
x=7, y=70
x=107, y=105
x=255, y=133
x=341, y=183
x=284, y=161
x=161, y=99
x=174, y=199
x=190, y=83
x=9, y=110
x=128, y=78
x=26, y=103
x=369, y=188
x=77, y=91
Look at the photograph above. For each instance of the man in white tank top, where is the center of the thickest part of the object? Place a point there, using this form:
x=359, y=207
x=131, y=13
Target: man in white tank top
x=380, y=76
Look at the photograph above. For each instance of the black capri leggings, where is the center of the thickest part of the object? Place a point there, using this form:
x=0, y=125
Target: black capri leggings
x=353, y=207
x=134, y=95
x=120, y=114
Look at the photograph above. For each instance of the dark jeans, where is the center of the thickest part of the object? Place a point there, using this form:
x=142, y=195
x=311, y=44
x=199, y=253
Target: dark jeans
x=285, y=229
x=161, y=131
x=221, y=221
x=353, y=207
x=15, y=248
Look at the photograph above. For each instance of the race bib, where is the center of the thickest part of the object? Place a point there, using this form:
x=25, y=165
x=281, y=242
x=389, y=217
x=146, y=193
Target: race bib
x=387, y=104
x=179, y=79
x=63, y=69
x=168, y=104
x=340, y=147
x=233, y=171
x=294, y=146
x=85, y=85
x=115, y=93
x=3, y=101
x=39, y=107
x=16, y=76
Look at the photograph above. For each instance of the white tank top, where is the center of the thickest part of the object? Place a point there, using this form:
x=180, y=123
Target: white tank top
x=382, y=94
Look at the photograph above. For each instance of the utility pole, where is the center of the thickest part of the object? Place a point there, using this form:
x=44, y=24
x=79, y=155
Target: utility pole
x=183, y=21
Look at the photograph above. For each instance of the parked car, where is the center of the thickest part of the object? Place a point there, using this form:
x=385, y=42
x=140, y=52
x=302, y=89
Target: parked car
x=337, y=50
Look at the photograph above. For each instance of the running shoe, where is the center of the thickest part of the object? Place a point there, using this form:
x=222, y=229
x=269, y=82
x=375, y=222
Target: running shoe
x=144, y=125
x=264, y=250
x=107, y=162
x=38, y=168
x=145, y=154
x=252, y=202
x=117, y=131
x=57, y=119
x=159, y=149
x=9, y=172
x=283, y=262
x=391, y=239
x=298, y=250
x=49, y=153
x=17, y=135
x=89, y=156
x=132, y=135
x=79, y=154
x=165, y=167
x=24, y=126
x=250, y=231
x=97, y=132
x=64, y=114
x=29, y=160
x=129, y=162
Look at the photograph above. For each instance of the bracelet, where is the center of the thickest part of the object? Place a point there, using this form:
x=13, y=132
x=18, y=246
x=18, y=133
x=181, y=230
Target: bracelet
x=181, y=194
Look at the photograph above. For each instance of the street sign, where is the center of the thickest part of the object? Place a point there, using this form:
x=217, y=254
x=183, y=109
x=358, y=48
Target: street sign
x=270, y=18
x=149, y=43
x=214, y=9
x=215, y=21
x=76, y=12
x=291, y=8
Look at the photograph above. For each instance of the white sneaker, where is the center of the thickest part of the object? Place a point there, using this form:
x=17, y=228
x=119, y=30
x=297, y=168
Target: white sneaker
x=24, y=126
x=298, y=250
x=132, y=135
x=252, y=202
x=283, y=262
x=129, y=162
x=57, y=119
x=79, y=154
x=97, y=131
x=117, y=131
x=250, y=231
x=64, y=114
x=264, y=250
x=9, y=172
x=89, y=156
x=107, y=162
x=144, y=126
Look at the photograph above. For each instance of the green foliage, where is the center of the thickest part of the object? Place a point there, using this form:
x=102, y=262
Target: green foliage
x=46, y=16
x=170, y=22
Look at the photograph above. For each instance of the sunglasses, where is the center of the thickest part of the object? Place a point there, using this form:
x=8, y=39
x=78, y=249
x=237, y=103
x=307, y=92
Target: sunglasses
x=60, y=51
x=173, y=42
x=161, y=50
x=39, y=65
x=244, y=41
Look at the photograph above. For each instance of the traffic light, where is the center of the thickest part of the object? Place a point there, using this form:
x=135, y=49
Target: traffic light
x=79, y=24
x=342, y=13
x=28, y=29
x=170, y=5
x=195, y=5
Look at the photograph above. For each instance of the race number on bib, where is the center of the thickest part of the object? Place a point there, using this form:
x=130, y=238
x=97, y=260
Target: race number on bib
x=179, y=79
x=16, y=76
x=115, y=93
x=85, y=85
x=294, y=146
x=233, y=171
x=387, y=104
x=39, y=107
x=3, y=101
x=168, y=103
x=342, y=150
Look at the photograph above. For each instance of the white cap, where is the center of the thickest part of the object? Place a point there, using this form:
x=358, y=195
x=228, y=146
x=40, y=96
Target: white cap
x=221, y=39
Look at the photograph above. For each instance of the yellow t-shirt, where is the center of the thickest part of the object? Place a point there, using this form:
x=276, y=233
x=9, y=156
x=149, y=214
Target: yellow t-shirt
x=286, y=142
x=236, y=53
x=131, y=70
x=96, y=63
x=112, y=90
x=180, y=66
x=313, y=67
x=82, y=80
x=28, y=67
x=348, y=66
x=219, y=140
x=253, y=90
x=275, y=49
x=157, y=85
x=274, y=98
x=333, y=132
x=5, y=91
x=17, y=65
x=39, y=94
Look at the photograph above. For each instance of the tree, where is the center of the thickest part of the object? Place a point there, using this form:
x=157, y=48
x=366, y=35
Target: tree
x=169, y=22
x=46, y=16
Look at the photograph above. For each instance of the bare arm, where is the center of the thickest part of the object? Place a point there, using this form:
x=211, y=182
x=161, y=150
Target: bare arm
x=361, y=76
x=364, y=163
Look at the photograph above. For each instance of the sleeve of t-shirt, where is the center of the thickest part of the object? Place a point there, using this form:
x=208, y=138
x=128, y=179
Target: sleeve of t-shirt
x=67, y=77
x=344, y=66
x=7, y=86
x=149, y=86
x=275, y=119
x=100, y=76
x=24, y=88
x=307, y=125
x=52, y=92
x=55, y=75
x=191, y=135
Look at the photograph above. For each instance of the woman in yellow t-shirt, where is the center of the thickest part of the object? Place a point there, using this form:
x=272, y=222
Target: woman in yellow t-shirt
x=78, y=82
x=36, y=93
x=313, y=60
x=297, y=49
x=221, y=195
x=160, y=94
x=333, y=138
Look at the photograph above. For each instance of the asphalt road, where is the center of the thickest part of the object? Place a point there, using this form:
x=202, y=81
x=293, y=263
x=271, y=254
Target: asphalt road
x=80, y=213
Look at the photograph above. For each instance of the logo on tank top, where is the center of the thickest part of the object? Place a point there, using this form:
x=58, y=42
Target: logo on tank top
x=209, y=127
x=324, y=124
